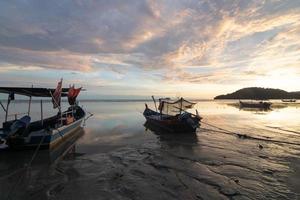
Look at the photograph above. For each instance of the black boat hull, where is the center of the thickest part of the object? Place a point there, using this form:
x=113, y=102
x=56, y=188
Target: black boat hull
x=171, y=124
x=260, y=105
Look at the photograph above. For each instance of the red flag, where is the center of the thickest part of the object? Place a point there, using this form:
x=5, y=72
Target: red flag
x=56, y=96
x=72, y=94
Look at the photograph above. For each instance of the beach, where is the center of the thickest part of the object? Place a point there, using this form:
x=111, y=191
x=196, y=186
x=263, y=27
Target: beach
x=236, y=154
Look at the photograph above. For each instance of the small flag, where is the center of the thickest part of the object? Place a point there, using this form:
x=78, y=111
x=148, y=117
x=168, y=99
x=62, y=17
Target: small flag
x=56, y=96
x=72, y=94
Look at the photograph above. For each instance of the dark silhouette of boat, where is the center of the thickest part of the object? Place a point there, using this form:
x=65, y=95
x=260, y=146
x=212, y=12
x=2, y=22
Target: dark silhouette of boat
x=171, y=139
x=288, y=100
x=253, y=104
x=172, y=116
x=21, y=133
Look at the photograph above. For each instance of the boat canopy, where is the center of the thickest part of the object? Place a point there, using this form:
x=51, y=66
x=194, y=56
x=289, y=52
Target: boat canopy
x=32, y=92
x=174, y=107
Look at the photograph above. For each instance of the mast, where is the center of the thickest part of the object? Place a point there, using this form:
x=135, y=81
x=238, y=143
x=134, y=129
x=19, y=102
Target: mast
x=42, y=119
x=154, y=102
x=6, y=110
x=181, y=99
x=29, y=106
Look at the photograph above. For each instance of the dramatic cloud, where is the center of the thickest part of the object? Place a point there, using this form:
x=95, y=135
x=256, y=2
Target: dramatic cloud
x=167, y=41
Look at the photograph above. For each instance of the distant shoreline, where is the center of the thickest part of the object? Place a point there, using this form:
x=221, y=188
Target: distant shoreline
x=259, y=94
x=102, y=100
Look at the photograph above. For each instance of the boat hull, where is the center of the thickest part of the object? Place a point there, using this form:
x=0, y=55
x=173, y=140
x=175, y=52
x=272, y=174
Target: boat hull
x=260, y=105
x=44, y=134
x=45, y=139
x=171, y=127
x=171, y=124
x=289, y=100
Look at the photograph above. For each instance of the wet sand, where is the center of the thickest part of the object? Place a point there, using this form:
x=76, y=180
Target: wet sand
x=119, y=158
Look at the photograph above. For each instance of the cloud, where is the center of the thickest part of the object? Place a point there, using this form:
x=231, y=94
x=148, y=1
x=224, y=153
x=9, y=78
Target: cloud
x=45, y=59
x=225, y=40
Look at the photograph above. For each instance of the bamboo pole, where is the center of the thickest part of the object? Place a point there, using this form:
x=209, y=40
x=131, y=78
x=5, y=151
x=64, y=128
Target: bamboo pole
x=181, y=104
x=29, y=105
x=154, y=102
x=42, y=119
x=2, y=106
x=6, y=110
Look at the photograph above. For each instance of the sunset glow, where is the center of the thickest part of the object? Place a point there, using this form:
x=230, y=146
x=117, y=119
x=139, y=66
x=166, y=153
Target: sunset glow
x=197, y=49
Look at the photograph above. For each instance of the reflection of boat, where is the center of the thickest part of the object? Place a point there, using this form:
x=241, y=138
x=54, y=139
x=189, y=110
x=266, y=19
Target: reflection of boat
x=66, y=146
x=44, y=133
x=43, y=157
x=169, y=138
x=173, y=117
x=251, y=104
x=22, y=171
x=254, y=110
x=288, y=100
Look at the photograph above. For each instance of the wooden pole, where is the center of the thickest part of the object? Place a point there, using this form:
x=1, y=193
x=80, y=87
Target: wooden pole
x=29, y=105
x=181, y=104
x=154, y=102
x=6, y=110
x=2, y=106
x=42, y=119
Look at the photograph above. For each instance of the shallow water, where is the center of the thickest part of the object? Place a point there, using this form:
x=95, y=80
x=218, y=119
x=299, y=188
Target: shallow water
x=236, y=154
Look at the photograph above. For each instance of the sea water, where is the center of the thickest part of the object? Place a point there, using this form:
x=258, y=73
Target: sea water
x=238, y=154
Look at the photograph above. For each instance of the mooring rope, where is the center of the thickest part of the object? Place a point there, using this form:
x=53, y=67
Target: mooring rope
x=245, y=136
x=26, y=167
x=85, y=119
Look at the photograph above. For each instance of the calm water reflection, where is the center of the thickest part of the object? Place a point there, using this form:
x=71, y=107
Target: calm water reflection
x=117, y=157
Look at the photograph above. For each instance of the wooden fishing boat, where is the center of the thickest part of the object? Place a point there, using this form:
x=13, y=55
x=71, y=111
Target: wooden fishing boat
x=21, y=133
x=173, y=117
x=252, y=104
x=288, y=100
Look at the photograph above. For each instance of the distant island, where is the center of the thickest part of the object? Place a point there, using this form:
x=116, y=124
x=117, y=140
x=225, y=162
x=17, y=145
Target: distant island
x=260, y=93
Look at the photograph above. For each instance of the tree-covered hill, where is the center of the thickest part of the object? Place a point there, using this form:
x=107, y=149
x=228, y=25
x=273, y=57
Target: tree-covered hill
x=260, y=93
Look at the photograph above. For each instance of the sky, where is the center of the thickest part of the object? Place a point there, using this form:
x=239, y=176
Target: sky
x=137, y=48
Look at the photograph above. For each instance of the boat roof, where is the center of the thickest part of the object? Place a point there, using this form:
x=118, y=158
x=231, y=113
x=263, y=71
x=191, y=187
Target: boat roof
x=167, y=106
x=33, y=92
x=169, y=101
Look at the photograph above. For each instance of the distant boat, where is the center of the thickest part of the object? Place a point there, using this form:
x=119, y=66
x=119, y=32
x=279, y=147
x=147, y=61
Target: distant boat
x=44, y=133
x=172, y=116
x=288, y=100
x=252, y=104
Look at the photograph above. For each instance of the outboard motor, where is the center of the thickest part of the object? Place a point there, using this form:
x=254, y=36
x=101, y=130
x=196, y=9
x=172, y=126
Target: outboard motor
x=3, y=144
x=17, y=130
x=187, y=118
x=19, y=126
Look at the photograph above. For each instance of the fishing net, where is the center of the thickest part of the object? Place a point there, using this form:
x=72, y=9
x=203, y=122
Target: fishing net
x=166, y=106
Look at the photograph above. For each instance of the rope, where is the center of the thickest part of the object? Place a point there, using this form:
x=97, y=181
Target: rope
x=244, y=136
x=35, y=153
x=137, y=110
x=26, y=167
x=224, y=130
x=85, y=119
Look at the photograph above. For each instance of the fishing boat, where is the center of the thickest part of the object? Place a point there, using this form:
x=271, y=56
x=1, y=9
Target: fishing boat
x=21, y=132
x=252, y=104
x=288, y=100
x=172, y=116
